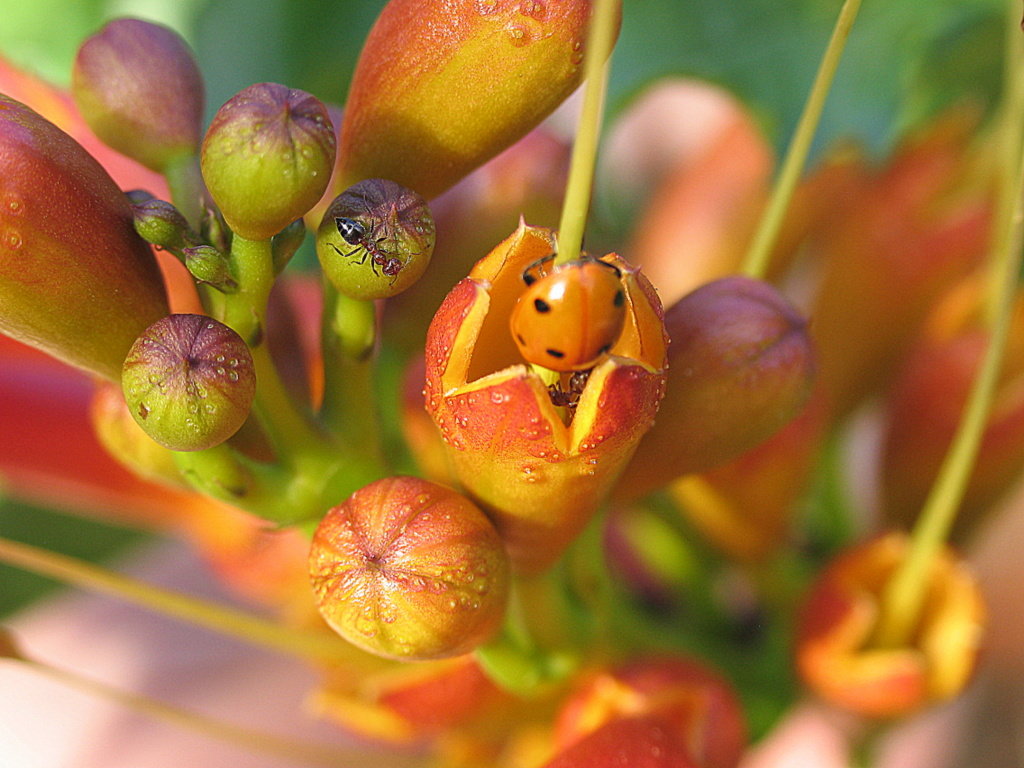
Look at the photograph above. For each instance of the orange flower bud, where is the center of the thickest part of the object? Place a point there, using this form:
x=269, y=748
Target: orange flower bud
x=740, y=366
x=75, y=279
x=835, y=654
x=919, y=225
x=697, y=703
x=925, y=406
x=404, y=704
x=539, y=478
x=408, y=569
x=501, y=65
x=639, y=742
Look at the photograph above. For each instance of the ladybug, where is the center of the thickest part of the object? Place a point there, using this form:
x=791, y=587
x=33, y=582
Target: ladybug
x=570, y=316
x=355, y=233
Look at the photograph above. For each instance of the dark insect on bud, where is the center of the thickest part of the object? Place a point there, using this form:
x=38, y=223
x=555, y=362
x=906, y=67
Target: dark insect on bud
x=189, y=382
x=376, y=239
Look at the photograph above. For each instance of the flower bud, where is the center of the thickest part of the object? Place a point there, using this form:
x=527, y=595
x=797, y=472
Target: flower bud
x=126, y=442
x=375, y=240
x=161, y=224
x=639, y=742
x=741, y=365
x=75, y=279
x=189, y=382
x=925, y=405
x=539, y=478
x=267, y=158
x=697, y=703
x=835, y=653
x=408, y=569
x=211, y=267
x=139, y=89
x=501, y=66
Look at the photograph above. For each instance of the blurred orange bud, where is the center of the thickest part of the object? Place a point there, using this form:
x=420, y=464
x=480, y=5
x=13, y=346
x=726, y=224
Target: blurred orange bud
x=835, y=653
x=539, y=478
x=639, y=742
x=406, y=704
x=925, y=407
x=745, y=507
x=697, y=704
x=126, y=442
x=501, y=65
x=408, y=569
x=919, y=224
x=740, y=366
x=76, y=281
x=698, y=221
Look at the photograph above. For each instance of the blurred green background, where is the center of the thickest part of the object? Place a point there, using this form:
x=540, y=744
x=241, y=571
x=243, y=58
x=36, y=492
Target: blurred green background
x=906, y=60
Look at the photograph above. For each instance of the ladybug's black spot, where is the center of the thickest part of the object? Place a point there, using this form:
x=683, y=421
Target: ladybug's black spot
x=529, y=279
x=620, y=299
x=556, y=353
x=541, y=306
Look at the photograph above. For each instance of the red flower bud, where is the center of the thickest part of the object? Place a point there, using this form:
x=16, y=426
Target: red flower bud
x=740, y=366
x=75, y=279
x=539, y=478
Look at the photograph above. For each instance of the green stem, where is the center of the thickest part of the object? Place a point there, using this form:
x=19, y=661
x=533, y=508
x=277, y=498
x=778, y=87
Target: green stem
x=756, y=261
x=188, y=191
x=348, y=333
x=293, y=751
x=905, y=594
x=291, y=432
x=316, y=647
x=596, y=65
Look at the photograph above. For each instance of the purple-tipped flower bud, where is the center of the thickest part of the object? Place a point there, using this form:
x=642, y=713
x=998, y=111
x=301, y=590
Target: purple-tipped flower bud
x=267, y=158
x=375, y=240
x=208, y=265
x=75, y=279
x=139, y=89
x=160, y=223
x=408, y=569
x=189, y=382
x=741, y=364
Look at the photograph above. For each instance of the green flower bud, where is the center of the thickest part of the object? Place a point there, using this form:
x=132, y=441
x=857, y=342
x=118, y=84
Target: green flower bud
x=267, y=158
x=75, y=279
x=139, y=89
x=160, y=223
x=189, y=382
x=408, y=569
x=375, y=240
x=210, y=266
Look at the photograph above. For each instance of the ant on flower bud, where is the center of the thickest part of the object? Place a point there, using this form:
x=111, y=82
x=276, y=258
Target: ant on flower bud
x=356, y=234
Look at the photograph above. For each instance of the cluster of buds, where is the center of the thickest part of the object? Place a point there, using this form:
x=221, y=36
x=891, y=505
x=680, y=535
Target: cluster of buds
x=548, y=391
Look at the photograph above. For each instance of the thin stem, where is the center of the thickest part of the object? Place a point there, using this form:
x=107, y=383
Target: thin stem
x=317, y=647
x=596, y=65
x=905, y=594
x=756, y=262
x=187, y=188
x=292, y=750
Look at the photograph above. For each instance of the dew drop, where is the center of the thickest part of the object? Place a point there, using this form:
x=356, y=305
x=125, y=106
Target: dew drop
x=12, y=240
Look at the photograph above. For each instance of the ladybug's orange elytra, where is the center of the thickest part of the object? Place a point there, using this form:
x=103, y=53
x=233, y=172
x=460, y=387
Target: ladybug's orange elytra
x=568, y=318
